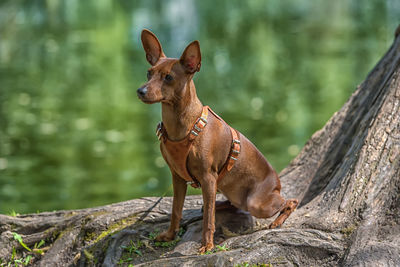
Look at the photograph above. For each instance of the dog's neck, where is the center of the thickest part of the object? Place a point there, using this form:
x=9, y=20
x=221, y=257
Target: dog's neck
x=178, y=117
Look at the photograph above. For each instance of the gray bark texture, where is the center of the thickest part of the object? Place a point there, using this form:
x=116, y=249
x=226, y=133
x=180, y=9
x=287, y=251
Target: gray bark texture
x=347, y=178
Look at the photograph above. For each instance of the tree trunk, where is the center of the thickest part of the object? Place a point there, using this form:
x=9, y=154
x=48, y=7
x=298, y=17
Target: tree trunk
x=347, y=177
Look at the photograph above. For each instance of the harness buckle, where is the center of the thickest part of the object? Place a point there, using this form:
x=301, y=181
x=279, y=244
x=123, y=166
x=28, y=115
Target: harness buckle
x=235, y=151
x=202, y=121
x=197, y=128
x=159, y=132
x=235, y=142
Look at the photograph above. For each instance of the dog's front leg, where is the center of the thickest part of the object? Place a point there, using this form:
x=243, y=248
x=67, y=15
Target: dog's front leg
x=180, y=188
x=209, y=191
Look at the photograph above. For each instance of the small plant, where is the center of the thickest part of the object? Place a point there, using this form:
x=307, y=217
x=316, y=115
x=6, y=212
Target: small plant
x=181, y=231
x=17, y=261
x=134, y=247
x=13, y=213
x=217, y=248
x=221, y=248
x=21, y=242
x=208, y=252
x=154, y=234
x=23, y=261
x=122, y=261
x=36, y=248
x=28, y=259
x=167, y=244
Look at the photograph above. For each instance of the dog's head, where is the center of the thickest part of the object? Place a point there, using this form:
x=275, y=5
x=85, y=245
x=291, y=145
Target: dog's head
x=167, y=76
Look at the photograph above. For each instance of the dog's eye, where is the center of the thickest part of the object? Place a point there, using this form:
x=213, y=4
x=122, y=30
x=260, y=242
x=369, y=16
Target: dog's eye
x=168, y=78
x=148, y=75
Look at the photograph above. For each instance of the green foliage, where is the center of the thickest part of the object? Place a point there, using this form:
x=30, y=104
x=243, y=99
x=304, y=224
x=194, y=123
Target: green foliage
x=167, y=244
x=13, y=213
x=27, y=257
x=217, y=248
x=73, y=133
x=21, y=242
x=122, y=261
x=134, y=247
x=221, y=248
x=36, y=248
x=40, y=244
x=23, y=260
x=154, y=234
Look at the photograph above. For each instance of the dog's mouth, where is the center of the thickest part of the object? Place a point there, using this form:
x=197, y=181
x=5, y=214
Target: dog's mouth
x=148, y=101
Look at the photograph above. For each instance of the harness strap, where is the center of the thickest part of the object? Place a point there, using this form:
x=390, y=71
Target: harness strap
x=199, y=125
x=233, y=154
x=197, y=128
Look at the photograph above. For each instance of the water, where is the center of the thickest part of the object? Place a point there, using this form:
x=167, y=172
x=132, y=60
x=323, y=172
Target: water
x=73, y=133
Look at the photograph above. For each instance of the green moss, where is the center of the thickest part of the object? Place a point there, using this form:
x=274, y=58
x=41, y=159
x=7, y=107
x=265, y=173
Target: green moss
x=88, y=255
x=89, y=236
x=246, y=264
x=111, y=229
x=348, y=230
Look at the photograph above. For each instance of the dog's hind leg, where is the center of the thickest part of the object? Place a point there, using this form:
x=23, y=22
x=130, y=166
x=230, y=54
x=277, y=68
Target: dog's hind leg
x=263, y=205
x=288, y=208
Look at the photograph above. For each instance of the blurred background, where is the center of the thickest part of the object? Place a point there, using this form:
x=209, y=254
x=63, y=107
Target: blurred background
x=73, y=133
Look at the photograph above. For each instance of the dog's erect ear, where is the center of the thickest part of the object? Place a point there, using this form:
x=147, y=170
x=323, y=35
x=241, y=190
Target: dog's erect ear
x=152, y=47
x=191, y=57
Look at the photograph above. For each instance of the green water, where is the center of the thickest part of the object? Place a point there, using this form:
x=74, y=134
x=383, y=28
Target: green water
x=73, y=133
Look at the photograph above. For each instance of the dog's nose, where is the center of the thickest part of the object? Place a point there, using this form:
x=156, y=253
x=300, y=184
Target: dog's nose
x=142, y=91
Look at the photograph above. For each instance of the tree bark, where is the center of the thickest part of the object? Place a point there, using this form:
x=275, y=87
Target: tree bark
x=347, y=177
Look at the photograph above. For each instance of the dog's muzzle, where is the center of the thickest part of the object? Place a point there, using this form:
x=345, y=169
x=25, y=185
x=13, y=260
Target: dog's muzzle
x=142, y=91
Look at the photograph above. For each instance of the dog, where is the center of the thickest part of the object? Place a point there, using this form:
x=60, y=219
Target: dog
x=204, y=151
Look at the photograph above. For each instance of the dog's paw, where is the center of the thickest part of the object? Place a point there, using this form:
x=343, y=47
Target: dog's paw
x=205, y=248
x=293, y=203
x=166, y=236
x=274, y=225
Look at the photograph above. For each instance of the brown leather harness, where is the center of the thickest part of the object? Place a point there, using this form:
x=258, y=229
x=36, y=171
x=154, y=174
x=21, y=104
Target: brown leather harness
x=178, y=151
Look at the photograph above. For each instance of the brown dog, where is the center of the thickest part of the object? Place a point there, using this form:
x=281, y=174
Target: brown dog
x=202, y=150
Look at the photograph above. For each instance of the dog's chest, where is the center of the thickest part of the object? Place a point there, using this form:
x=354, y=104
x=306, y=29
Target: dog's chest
x=176, y=154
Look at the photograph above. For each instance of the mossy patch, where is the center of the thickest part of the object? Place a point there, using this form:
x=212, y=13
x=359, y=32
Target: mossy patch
x=246, y=264
x=94, y=237
x=348, y=230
